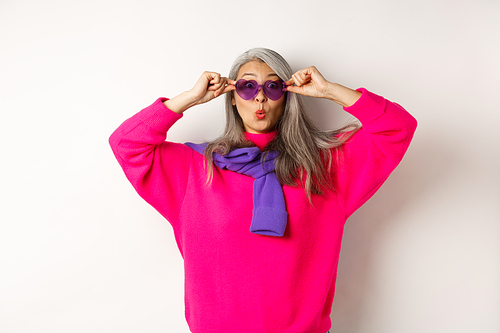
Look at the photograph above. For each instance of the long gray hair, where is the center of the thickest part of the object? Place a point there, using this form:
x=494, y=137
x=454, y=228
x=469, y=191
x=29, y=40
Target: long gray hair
x=305, y=152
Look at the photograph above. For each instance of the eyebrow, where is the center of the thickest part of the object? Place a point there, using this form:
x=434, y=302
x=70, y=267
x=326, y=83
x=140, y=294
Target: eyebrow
x=252, y=74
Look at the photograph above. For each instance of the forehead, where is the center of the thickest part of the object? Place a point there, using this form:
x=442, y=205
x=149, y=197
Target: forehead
x=257, y=69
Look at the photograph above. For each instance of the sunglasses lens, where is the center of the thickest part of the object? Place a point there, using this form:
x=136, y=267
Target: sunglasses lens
x=246, y=89
x=249, y=89
x=274, y=89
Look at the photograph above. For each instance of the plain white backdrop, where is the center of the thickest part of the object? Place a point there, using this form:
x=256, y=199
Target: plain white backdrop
x=81, y=252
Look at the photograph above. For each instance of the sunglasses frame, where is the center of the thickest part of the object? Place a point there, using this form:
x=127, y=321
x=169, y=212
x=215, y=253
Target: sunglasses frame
x=258, y=87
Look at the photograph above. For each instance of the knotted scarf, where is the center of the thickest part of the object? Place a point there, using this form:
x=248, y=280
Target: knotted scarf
x=269, y=215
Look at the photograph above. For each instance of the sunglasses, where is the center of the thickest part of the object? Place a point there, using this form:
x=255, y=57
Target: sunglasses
x=248, y=89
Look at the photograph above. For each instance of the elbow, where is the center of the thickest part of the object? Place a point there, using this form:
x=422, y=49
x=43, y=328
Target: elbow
x=411, y=127
x=413, y=123
x=407, y=120
x=114, y=140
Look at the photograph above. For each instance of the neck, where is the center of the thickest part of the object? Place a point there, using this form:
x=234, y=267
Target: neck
x=261, y=140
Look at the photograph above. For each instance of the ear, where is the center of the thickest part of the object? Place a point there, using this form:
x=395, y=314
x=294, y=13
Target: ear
x=233, y=101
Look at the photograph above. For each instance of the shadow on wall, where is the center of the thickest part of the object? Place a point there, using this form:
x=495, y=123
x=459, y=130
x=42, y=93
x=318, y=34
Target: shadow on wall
x=425, y=166
x=325, y=114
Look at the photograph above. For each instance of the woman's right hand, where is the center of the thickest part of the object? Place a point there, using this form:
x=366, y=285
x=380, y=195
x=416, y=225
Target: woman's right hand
x=209, y=86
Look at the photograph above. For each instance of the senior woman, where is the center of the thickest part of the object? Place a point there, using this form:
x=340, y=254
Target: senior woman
x=258, y=213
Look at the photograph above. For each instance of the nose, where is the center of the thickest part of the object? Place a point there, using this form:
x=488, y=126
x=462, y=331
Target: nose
x=260, y=97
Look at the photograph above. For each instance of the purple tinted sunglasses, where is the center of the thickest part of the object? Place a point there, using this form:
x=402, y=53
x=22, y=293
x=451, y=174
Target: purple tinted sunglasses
x=248, y=89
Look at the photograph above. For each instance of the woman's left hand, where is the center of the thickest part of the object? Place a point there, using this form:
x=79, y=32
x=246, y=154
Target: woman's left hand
x=308, y=82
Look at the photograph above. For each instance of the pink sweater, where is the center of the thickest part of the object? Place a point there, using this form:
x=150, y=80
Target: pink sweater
x=238, y=281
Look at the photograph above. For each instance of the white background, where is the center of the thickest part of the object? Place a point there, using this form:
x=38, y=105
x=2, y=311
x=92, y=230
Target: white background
x=81, y=252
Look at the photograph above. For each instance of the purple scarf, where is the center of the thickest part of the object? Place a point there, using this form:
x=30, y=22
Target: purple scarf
x=269, y=211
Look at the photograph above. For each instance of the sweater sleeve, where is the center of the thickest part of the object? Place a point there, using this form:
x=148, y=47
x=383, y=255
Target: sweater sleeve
x=374, y=151
x=158, y=170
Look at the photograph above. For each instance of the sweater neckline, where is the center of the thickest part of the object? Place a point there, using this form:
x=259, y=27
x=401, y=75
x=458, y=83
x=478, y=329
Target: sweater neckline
x=261, y=140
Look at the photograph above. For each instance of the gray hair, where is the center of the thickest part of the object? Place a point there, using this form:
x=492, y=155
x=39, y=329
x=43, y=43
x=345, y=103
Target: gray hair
x=305, y=152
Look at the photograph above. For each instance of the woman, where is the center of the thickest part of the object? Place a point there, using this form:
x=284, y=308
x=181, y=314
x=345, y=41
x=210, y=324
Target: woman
x=258, y=214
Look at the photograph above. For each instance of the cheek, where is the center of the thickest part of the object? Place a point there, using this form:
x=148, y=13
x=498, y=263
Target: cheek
x=238, y=101
x=281, y=107
x=241, y=110
x=242, y=105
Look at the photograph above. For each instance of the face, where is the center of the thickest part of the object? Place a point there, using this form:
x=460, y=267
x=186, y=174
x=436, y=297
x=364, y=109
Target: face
x=259, y=114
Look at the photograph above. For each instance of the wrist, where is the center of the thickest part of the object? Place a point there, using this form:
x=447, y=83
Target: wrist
x=331, y=91
x=342, y=95
x=181, y=102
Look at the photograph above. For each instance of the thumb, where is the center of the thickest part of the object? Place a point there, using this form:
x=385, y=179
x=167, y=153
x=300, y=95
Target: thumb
x=294, y=89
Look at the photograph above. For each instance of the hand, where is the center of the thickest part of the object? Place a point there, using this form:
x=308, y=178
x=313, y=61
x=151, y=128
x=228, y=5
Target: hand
x=209, y=86
x=308, y=82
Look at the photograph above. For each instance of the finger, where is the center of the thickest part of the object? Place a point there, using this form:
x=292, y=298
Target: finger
x=216, y=86
x=303, y=75
x=295, y=89
x=220, y=88
x=225, y=86
x=209, y=76
x=228, y=88
x=213, y=87
x=216, y=78
x=213, y=79
x=299, y=79
x=306, y=78
x=313, y=71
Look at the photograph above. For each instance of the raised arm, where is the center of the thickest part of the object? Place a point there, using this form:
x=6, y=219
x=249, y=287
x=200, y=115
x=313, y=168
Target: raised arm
x=310, y=82
x=375, y=150
x=370, y=156
x=209, y=86
x=157, y=169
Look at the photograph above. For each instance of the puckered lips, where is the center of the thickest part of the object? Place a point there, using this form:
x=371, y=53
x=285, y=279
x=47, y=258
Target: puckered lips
x=261, y=114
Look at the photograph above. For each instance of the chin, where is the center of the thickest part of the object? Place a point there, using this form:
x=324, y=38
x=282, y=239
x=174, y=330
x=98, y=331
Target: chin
x=262, y=129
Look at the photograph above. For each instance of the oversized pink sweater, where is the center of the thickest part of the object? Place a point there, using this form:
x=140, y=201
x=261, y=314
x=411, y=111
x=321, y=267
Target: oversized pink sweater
x=238, y=281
